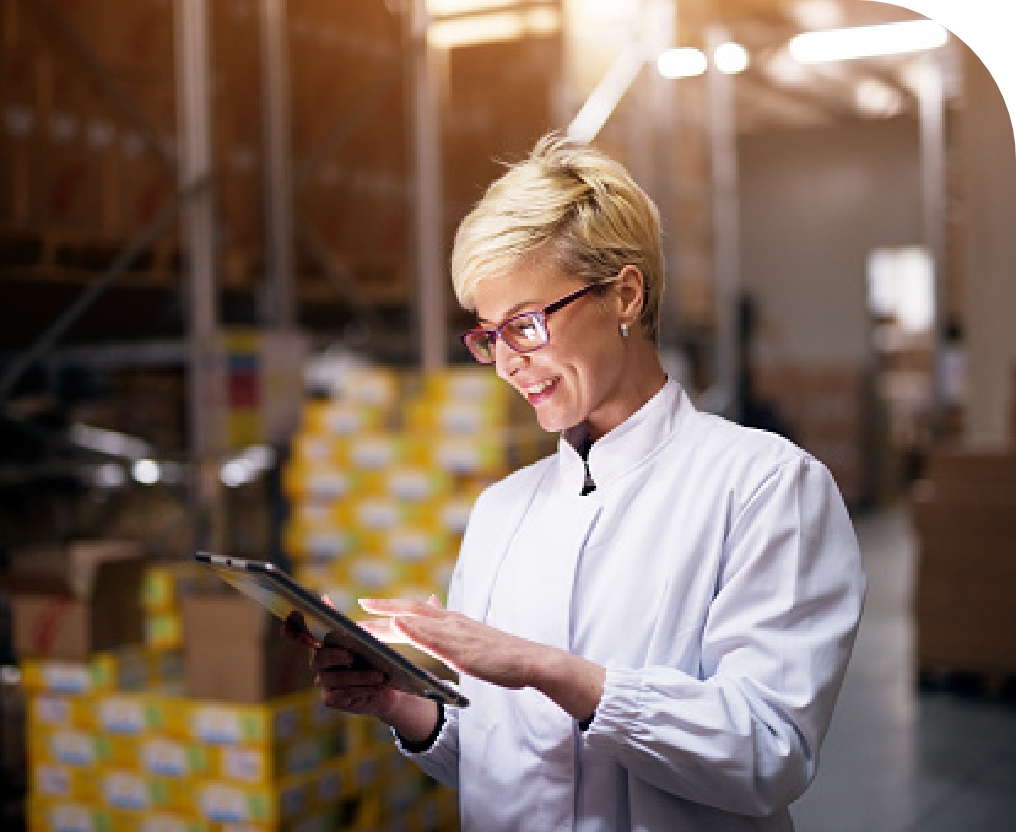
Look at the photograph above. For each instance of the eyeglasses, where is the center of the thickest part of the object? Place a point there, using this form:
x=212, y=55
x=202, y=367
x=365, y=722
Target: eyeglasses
x=524, y=333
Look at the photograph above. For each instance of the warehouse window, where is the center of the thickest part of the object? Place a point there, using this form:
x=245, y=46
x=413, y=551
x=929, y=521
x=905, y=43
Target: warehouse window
x=901, y=287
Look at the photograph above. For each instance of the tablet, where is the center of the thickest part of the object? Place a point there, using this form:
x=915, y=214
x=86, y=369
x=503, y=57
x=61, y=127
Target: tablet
x=281, y=595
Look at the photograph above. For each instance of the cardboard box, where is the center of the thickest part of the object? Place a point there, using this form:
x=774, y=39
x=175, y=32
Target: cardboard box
x=235, y=651
x=72, y=601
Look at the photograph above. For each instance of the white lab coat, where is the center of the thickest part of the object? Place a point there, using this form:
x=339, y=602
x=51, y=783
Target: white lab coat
x=715, y=573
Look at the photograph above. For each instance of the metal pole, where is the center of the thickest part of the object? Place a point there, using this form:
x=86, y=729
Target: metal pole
x=280, y=307
x=197, y=229
x=931, y=109
x=726, y=231
x=429, y=220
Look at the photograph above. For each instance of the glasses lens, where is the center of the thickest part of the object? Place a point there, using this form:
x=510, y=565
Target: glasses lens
x=481, y=345
x=525, y=333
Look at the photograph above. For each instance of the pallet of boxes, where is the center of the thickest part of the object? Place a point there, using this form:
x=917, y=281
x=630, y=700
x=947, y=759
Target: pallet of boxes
x=964, y=514
x=126, y=733
x=381, y=480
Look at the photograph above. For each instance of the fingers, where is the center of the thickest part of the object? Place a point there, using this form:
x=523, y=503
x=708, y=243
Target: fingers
x=295, y=628
x=383, y=630
x=396, y=606
x=327, y=658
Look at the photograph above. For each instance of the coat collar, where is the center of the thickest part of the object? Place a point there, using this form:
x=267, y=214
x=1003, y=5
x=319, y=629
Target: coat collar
x=625, y=447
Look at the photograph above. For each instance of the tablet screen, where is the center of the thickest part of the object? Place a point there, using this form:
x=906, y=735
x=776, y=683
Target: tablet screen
x=282, y=596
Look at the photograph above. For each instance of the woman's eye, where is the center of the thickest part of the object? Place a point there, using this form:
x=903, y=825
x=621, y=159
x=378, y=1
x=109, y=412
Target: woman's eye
x=527, y=329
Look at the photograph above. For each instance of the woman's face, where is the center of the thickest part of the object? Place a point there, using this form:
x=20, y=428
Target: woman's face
x=577, y=376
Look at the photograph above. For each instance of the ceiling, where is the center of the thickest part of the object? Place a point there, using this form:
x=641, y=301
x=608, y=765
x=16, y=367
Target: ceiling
x=777, y=91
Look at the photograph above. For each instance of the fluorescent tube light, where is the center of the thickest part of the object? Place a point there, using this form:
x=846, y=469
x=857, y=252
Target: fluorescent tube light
x=868, y=41
x=730, y=58
x=488, y=28
x=683, y=62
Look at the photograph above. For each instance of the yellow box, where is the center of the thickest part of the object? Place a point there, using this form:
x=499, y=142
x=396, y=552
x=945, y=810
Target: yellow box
x=455, y=416
x=415, y=545
x=468, y=455
x=127, y=789
x=164, y=584
x=313, y=450
x=452, y=514
x=58, y=710
x=323, y=541
x=54, y=781
x=218, y=723
x=66, y=816
x=415, y=484
x=168, y=757
x=79, y=747
x=148, y=820
x=320, y=482
x=377, y=514
x=380, y=387
x=127, y=668
x=164, y=630
x=338, y=418
x=465, y=384
x=232, y=803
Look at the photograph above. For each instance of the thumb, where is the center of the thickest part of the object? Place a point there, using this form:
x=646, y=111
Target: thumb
x=434, y=601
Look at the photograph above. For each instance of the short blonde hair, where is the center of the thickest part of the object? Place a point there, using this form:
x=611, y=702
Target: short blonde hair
x=582, y=205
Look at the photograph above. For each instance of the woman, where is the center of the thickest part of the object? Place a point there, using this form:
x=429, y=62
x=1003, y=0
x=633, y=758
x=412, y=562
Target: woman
x=652, y=624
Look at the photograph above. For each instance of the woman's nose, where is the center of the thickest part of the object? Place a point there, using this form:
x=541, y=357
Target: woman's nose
x=506, y=360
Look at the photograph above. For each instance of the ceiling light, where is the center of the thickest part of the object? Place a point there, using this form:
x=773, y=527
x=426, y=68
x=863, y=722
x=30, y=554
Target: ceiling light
x=684, y=62
x=442, y=8
x=868, y=41
x=730, y=58
x=147, y=471
x=489, y=28
x=818, y=14
x=877, y=99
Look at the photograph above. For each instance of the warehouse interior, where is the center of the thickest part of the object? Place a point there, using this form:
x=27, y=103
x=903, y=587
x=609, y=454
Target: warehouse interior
x=226, y=324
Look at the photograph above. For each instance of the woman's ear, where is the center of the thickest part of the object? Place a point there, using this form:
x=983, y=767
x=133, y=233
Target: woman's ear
x=631, y=294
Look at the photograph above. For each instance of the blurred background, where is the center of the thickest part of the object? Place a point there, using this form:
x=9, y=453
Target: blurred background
x=226, y=323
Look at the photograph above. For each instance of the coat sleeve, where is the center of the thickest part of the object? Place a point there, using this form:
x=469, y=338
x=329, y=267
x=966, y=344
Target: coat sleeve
x=744, y=733
x=441, y=760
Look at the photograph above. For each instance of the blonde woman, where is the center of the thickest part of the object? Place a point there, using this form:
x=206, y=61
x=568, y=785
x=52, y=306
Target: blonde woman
x=652, y=624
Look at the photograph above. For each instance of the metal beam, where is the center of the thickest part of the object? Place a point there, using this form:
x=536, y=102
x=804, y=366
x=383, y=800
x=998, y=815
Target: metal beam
x=279, y=307
x=121, y=263
x=429, y=199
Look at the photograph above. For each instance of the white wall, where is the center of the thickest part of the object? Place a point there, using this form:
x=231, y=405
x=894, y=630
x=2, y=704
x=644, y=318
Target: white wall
x=988, y=205
x=814, y=202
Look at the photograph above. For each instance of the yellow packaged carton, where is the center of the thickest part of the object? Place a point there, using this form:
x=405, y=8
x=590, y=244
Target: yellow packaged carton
x=59, y=710
x=86, y=749
x=55, y=781
x=46, y=815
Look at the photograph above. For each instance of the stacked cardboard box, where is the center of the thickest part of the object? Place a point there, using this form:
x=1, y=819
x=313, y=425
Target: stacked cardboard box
x=963, y=515
x=825, y=408
x=381, y=490
x=140, y=759
x=73, y=160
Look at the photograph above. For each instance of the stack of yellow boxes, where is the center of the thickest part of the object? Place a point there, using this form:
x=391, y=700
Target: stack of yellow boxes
x=381, y=482
x=114, y=746
x=125, y=762
x=382, y=479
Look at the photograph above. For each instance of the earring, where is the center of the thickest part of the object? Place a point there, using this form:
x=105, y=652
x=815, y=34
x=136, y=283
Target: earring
x=624, y=330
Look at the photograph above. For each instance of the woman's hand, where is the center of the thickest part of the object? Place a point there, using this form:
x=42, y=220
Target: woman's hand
x=349, y=684
x=461, y=643
x=469, y=647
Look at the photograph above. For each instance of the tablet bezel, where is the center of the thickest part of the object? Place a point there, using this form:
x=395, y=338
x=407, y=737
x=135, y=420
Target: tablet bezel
x=280, y=594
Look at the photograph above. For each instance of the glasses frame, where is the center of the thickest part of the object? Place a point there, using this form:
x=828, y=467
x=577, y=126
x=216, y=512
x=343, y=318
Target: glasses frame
x=540, y=315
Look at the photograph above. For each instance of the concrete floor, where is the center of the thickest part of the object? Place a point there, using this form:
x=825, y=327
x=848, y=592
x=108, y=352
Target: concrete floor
x=900, y=759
